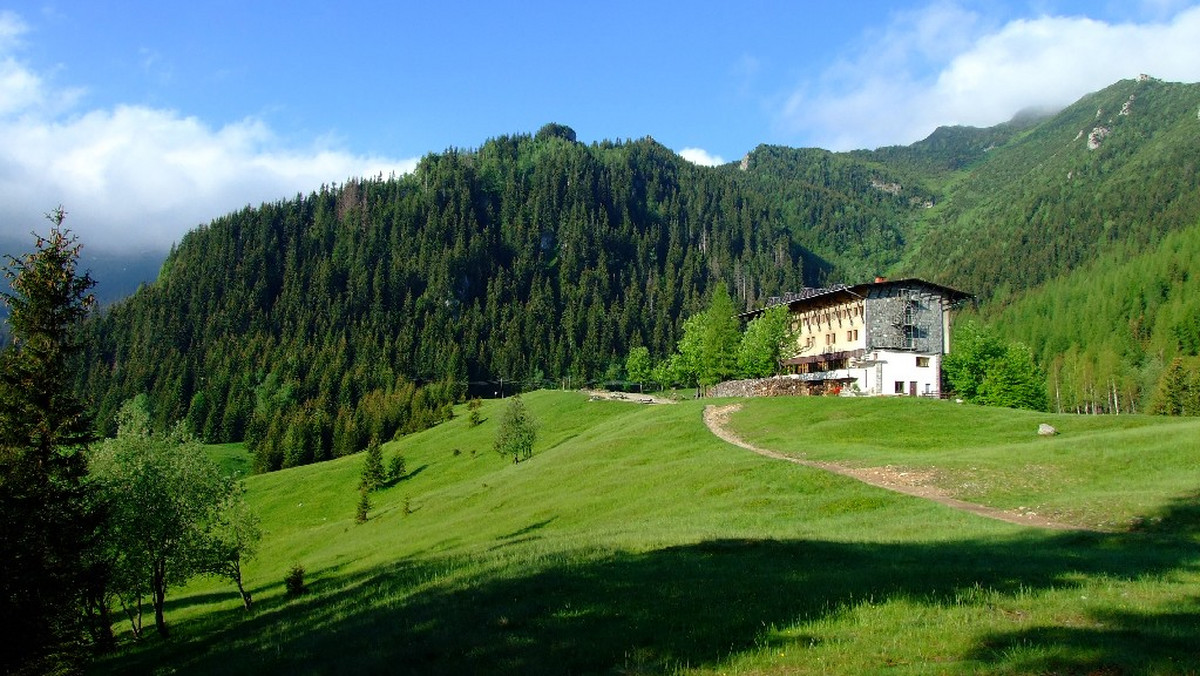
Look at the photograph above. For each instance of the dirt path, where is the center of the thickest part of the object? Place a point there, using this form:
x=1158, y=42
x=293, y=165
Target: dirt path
x=909, y=483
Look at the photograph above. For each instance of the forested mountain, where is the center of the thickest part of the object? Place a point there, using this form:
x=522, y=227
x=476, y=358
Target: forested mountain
x=1117, y=168
x=309, y=325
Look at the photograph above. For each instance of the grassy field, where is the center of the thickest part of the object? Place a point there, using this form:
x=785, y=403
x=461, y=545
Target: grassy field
x=636, y=542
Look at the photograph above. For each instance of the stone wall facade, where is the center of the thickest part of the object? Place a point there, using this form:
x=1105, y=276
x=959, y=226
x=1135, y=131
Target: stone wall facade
x=885, y=319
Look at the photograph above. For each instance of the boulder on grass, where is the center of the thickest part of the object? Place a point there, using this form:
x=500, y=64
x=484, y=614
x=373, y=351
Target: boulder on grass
x=1046, y=430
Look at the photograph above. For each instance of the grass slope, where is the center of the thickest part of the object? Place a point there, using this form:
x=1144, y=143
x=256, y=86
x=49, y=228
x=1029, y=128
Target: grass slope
x=636, y=542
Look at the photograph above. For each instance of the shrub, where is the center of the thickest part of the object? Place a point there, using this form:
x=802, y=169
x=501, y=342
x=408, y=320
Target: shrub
x=396, y=468
x=364, y=506
x=294, y=582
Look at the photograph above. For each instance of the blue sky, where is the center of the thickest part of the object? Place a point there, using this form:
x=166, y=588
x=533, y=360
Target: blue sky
x=146, y=119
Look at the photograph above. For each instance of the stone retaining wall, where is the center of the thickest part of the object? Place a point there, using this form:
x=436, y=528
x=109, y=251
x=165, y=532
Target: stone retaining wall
x=778, y=386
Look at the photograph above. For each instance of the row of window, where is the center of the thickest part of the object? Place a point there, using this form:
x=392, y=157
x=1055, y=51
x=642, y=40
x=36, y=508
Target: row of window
x=828, y=317
x=831, y=338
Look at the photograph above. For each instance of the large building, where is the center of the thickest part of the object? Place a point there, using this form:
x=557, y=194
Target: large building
x=885, y=337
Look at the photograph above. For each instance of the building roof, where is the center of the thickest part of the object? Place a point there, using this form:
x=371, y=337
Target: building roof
x=816, y=296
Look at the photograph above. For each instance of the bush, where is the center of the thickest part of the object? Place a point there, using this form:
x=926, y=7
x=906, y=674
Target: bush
x=396, y=468
x=294, y=582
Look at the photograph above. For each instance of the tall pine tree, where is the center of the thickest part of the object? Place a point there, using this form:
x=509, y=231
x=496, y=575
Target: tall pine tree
x=47, y=523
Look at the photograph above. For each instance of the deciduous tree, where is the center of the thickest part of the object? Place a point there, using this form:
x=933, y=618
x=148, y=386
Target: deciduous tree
x=172, y=513
x=517, y=432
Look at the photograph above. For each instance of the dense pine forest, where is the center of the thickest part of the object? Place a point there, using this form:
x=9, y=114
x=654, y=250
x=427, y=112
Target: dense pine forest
x=310, y=325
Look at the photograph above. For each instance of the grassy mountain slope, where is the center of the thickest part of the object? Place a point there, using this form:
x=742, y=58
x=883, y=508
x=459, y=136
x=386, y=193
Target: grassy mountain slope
x=636, y=542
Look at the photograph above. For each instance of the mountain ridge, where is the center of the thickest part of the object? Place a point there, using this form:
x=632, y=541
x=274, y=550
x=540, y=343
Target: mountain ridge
x=539, y=259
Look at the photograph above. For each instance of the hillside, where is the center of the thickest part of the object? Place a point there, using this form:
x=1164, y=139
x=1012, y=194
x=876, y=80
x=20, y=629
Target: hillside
x=309, y=325
x=636, y=542
x=1116, y=169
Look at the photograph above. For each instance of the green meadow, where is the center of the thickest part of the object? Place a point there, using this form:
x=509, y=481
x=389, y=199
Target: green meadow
x=636, y=542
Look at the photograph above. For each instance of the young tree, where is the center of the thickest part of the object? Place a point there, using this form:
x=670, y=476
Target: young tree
x=708, y=351
x=363, y=508
x=233, y=539
x=637, y=366
x=48, y=526
x=475, y=417
x=172, y=513
x=517, y=432
x=766, y=342
x=397, y=468
x=720, y=339
x=1176, y=392
x=372, y=470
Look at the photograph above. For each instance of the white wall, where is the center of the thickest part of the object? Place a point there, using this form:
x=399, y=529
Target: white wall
x=891, y=367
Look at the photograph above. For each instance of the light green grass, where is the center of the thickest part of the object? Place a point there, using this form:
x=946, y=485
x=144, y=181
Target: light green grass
x=636, y=542
x=1100, y=471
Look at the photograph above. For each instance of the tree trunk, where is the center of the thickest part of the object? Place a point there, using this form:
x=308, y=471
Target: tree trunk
x=160, y=597
x=237, y=579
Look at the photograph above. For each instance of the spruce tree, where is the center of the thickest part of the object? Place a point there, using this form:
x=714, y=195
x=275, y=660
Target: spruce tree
x=372, y=471
x=48, y=525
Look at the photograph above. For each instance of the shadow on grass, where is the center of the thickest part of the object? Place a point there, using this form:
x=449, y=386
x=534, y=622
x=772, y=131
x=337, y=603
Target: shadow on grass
x=405, y=477
x=693, y=605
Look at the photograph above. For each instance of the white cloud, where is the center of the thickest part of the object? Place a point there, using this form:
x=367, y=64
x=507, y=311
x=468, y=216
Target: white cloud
x=946, y=66
x=134, y=177
x=701, y=156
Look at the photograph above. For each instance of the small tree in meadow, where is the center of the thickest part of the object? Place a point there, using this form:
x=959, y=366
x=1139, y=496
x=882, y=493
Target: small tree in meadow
x=372, y=471
x=294, y=582
x=396, y=468
x=364, y=506
x=475, y=417
x=638, y=366
x=517, y=431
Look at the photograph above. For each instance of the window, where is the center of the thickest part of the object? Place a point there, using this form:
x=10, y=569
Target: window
x=923, y=362
x=899, y=387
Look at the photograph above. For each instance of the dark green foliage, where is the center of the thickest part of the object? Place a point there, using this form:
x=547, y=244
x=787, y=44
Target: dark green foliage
x=309, y=325
x=474, y=416
x=517, y=432
x=293, y=583
x=363, y=508
x=372, y=470
x=48, y=519
x=1178, y=390
x=397, y=468
x=554, y=130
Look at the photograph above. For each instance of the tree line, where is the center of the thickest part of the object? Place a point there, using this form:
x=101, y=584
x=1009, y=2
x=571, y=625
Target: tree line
x=310, y=325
